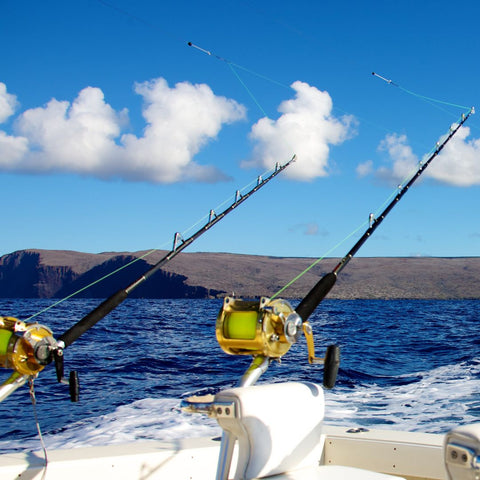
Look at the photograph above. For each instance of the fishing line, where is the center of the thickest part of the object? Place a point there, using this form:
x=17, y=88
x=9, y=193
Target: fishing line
x=317, y=261
x=248, y=90
x=236, y=65
x=432, y=101
x=422, y=97
x=37, y=423
x=185, y=232
x=435, y=103
x=254, y=73
x=231, y=65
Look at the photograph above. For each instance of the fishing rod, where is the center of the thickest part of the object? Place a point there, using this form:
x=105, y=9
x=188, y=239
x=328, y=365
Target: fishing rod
x=325, y=284
x=266, y=329
x=114, y=300
x=28, y=354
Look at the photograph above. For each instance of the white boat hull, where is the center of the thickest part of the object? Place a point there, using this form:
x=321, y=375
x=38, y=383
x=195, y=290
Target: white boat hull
x=406, y=454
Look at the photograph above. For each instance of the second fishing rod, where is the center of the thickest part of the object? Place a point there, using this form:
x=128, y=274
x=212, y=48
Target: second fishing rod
x=313, y=298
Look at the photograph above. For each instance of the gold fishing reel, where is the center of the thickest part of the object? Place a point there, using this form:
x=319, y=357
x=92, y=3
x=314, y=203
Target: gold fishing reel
x=28, y=353
x=266, y=327
x=27, y=348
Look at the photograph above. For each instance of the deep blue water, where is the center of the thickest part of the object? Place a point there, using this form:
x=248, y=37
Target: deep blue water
x=406, y=364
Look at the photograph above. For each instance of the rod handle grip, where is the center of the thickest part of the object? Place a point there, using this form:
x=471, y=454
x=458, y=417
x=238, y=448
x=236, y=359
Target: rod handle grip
x=310, y=302
x=92, y=318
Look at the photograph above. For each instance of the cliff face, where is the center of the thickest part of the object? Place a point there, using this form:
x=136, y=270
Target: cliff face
x=160, y=285
x=56, y=274
x=22, y=275
x=37, y=274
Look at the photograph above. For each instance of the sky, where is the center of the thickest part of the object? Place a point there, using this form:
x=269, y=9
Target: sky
x=115, y=133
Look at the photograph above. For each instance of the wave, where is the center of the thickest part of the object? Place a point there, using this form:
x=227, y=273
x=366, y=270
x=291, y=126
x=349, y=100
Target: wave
x=436, y=401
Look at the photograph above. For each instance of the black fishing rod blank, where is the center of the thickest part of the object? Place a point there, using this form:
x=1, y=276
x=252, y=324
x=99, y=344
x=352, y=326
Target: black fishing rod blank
x=326, y=283
x=117, y=298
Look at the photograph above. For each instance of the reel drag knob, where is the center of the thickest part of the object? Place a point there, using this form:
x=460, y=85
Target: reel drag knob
x=293, y=327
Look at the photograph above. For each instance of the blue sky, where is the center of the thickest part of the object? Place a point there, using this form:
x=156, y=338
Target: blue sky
x=115, y=134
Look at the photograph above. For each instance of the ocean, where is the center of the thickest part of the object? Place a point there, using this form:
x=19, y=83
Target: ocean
x=405, y=364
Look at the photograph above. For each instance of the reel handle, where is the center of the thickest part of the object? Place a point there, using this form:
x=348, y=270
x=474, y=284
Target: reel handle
x=72, y=381
x=331, y=361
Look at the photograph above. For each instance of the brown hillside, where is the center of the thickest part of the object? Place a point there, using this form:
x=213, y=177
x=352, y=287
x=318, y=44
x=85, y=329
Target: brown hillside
x=50, y=273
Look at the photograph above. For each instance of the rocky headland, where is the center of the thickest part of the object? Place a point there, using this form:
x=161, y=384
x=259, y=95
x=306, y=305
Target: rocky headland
x=57, y=273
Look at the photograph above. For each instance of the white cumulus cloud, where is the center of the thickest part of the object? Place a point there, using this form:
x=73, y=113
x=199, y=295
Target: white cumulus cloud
x=364, y=169
x=306, y=128
x=85, y=136
x=77, y=137
x=457, y=164
x=404, y=161
x=180, y=122
x=8, y=103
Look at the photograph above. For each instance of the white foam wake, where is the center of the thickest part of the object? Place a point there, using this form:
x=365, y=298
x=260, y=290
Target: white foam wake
x=440, y=400
x=147, y=419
